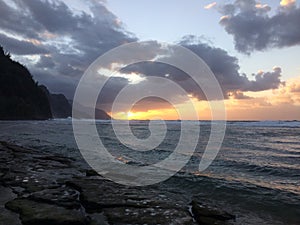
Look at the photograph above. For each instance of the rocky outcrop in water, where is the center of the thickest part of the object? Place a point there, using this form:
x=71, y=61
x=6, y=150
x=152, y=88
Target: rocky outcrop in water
x=206, y=215
x=39, y=187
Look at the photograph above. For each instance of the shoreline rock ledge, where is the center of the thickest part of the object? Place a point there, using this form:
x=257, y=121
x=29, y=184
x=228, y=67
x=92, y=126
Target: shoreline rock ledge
x=39, y=187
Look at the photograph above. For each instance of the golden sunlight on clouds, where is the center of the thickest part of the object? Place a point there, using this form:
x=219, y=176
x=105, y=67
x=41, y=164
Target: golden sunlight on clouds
x=165, y=114
x=262, y=6
x=34, y=41
x=280, y=104
x=287, y=2
x=224, y=18
x=211, y=5
x=48, y=35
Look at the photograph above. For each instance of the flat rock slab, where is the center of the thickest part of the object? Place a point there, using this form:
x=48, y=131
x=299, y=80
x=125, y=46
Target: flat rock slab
x=51, y=189
x=209, y=216
x=7, y=216
x=128, y=205
x=36, y=213
x=61, y=196
x=149, y=215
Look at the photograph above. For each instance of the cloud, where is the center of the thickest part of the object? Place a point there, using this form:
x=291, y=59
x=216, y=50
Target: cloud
x=67, y=41
x=263, y=7
x=45, y=62
x=21, y=47
x=265, y=81
x=287, y=3
x=252, y=28
x=282, y=103
x=295, y=88
x=211, y=5
x=238, y=95
x=225, y=68
x=288, y=94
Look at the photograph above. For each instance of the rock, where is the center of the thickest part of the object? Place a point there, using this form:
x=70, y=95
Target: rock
x=130, y=205
x=52, y=189
x=61, y=196
x=91, y=172
x=96, y=194
x=208, y=216
x=149, y=215
x=98, y=219
x=59, y=104
x=36, y=213
x=82, y=112
x=6, y=216
x=30, y=170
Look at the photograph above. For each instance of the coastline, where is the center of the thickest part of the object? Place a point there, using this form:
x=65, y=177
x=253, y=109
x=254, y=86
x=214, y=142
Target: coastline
x=42, y=188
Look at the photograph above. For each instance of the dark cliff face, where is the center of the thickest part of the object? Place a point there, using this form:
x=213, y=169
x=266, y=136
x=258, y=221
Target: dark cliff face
x=20, y=96
x=60, y=106
x=81, y=112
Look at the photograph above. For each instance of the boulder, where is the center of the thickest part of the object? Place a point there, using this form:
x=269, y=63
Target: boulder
x=36, y=213
x=208, y=216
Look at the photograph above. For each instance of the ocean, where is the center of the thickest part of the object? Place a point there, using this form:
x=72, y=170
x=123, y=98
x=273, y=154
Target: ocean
x=256, y=174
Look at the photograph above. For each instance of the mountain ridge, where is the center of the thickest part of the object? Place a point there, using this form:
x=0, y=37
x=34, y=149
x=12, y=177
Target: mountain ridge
x=22, y=98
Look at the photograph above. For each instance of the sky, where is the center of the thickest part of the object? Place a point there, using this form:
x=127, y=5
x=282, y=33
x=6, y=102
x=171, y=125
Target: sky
x=252, y=47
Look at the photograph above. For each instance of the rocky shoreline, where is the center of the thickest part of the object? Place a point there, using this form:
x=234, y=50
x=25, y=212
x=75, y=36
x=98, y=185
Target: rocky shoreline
x=42, y=188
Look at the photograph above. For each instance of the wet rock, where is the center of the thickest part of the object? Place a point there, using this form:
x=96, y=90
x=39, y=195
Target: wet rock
x=96, y=194
x=97, y=219
x=130, y=205
x=6, y=216
x=59, y=160
x=91, y=172
x=35, y=213
x=127, y=215
x=208, y=216
x=50, y=189
x=62, y=196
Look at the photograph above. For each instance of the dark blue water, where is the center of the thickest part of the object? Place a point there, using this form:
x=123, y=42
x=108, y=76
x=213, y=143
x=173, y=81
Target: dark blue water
x=256, y=174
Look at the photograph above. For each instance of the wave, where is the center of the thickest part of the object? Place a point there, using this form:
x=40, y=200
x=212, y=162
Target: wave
x=280, y=170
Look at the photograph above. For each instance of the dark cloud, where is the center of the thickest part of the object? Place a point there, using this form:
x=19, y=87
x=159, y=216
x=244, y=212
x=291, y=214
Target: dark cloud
x=265, y=81
x=110, y=91
x=16, y=20
x=254, y=29
x=58, y=83
x=45, y=62
x=238, y=95
x=54, y=17
x=21, y=47
x=225, y=68
x=70, y=41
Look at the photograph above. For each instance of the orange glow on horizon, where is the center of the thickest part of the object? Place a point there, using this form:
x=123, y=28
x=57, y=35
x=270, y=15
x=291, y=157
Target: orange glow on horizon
x=278, y=104
x=165, y=114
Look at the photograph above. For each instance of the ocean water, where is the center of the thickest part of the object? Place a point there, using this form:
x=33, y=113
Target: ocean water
x=256, y=174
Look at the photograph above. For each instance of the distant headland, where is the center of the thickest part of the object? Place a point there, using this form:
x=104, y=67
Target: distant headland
x=22, y=98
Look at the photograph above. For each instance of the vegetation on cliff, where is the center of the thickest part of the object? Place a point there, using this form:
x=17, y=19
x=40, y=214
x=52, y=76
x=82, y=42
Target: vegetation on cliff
x=20, y=96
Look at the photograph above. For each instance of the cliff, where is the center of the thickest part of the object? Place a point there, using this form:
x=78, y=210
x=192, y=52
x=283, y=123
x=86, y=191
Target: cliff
x=20, y=96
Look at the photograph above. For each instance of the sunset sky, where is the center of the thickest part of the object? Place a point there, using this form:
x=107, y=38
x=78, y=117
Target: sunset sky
x=252, y=47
